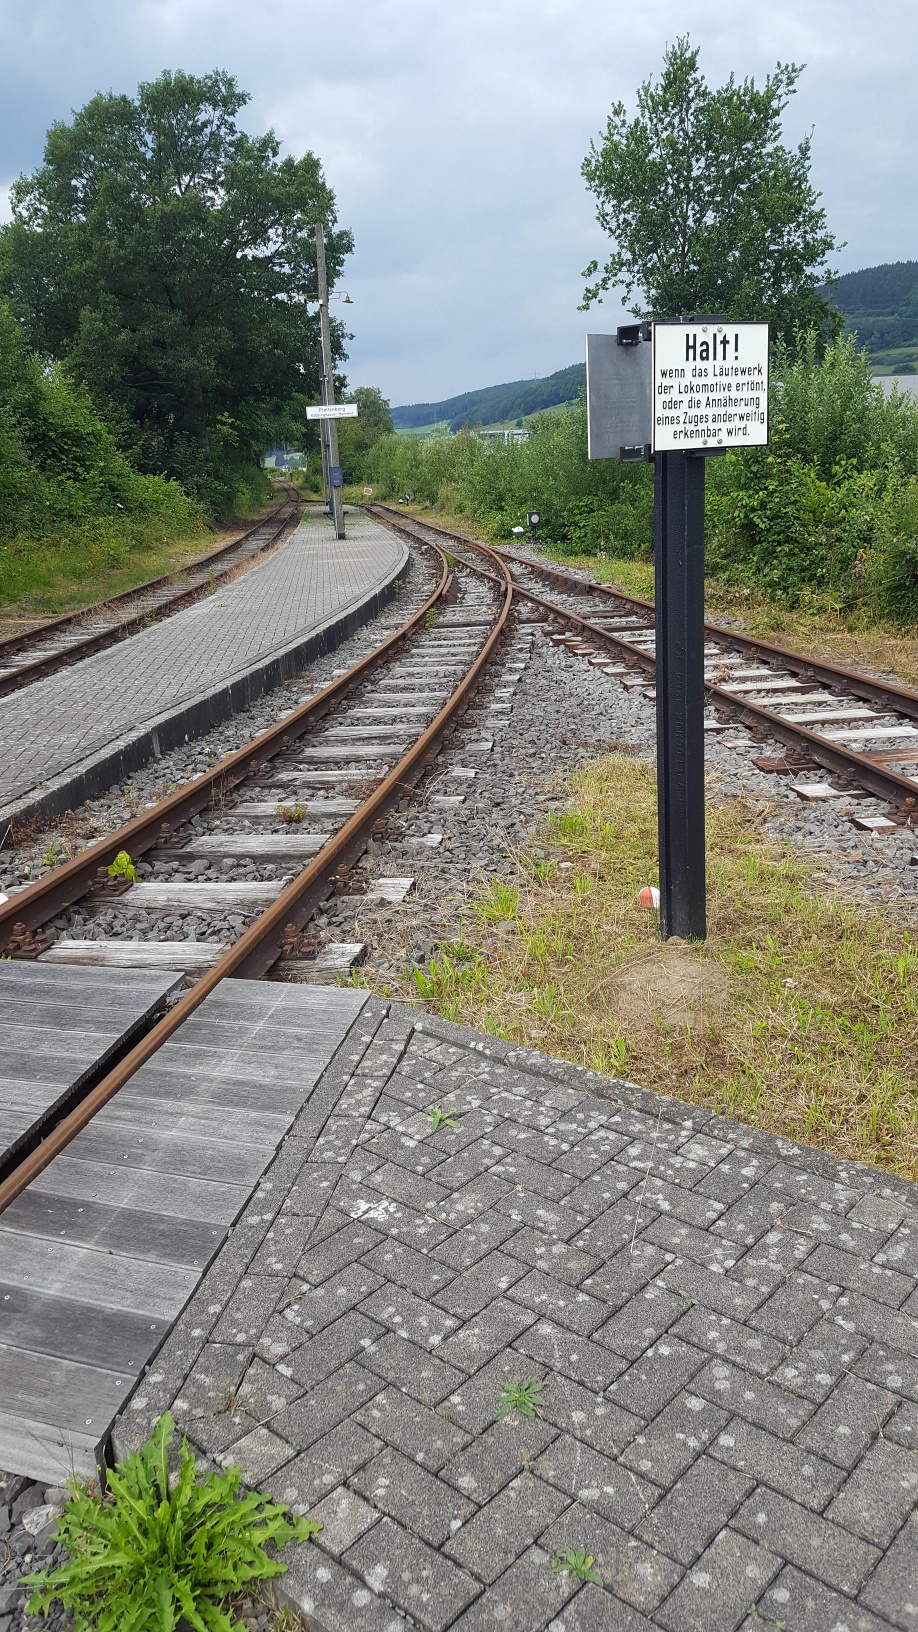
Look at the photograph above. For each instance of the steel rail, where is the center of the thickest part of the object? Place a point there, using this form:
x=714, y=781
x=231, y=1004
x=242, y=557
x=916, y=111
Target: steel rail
x=26, y=673
x=260, y=945
x=59, y=888
x=900, y=698
x=847, y=762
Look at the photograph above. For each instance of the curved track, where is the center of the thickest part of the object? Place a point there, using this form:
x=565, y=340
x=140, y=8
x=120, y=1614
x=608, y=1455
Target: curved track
x=198, y=819
x=819, y=710
x=39, y=652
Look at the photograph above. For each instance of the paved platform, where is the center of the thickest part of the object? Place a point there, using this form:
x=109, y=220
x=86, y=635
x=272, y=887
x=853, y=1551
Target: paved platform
x=75, y=733
x=60, y=1028
x=101, y=1253
x=722, y=1327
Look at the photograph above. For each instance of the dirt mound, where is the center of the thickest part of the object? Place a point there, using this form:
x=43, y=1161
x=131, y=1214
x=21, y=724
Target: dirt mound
x=678, y=985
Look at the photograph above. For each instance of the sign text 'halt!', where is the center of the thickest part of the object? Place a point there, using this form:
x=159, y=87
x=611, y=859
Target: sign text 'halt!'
x=710, y=386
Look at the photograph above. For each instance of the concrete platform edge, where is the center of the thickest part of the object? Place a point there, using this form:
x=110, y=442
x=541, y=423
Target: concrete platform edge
x=197, y=715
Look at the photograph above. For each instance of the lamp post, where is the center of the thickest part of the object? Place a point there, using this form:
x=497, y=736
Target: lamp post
x=327, y=383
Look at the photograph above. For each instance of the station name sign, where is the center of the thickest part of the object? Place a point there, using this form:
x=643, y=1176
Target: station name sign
x=333, y=410
x=709, y=384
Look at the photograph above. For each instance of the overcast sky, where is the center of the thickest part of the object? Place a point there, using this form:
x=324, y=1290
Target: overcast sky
x=453, y=137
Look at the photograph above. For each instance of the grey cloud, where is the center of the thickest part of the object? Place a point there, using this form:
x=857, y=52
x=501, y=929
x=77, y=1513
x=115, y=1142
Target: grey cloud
x=453, y=136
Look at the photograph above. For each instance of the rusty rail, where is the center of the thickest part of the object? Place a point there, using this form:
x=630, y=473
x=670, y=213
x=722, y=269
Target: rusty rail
x=878, y=779
x=51, y=662
x=260, y=945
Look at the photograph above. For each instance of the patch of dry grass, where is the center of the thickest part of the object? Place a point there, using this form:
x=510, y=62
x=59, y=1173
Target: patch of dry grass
x=799, y=1014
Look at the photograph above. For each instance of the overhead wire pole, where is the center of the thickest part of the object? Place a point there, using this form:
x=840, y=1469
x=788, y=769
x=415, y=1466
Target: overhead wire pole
x=328, y=386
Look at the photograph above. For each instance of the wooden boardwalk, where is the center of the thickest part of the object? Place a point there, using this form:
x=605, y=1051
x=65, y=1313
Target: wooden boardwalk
x=59, y=1026
x=102, y=1252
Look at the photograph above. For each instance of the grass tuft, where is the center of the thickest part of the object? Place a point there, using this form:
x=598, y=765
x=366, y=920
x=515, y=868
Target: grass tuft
x=798, y=1015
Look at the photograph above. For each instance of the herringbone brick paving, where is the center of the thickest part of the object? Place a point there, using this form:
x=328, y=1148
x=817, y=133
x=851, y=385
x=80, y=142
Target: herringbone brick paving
x=725, y=1326
x=50, y=726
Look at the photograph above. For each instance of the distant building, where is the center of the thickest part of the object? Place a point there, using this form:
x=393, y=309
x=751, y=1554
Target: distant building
x=284, y=459
x=897, y=382
x=500, y=434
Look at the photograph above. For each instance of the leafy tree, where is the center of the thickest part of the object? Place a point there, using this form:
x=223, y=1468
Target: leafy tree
x=707, y=211
x=165, y=255
x=61, y=471
x=357, y=436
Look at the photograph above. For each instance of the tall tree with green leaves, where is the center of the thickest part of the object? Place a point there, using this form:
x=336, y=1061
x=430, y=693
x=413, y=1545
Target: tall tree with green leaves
x=165, y=256
x=357, y=436
x=707, y=210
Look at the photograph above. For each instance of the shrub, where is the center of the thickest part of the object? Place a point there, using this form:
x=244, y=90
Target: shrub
x=827, y=513
x=584, y=506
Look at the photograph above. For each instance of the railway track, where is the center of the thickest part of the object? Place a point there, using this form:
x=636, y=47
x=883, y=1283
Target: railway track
x=39, y=652
x=862, y=731
x=252, y=848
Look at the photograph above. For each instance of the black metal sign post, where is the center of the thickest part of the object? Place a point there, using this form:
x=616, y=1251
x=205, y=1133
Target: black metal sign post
x=705, y=390
x=679, y=597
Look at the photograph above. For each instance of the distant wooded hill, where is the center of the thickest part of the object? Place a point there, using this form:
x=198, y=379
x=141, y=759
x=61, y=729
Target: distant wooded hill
x=880, y=305
x=495, y=404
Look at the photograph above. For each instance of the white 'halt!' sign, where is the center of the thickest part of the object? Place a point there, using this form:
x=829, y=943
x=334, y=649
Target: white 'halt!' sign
x=710, y=386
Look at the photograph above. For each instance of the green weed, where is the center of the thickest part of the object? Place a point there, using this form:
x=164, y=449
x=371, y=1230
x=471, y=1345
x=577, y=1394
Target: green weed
x=524, y=1397
x=158, y=1548
x=122, y=867
x=499, y=902
x=291, y=813
x=579, y=1563
x=440, y=1119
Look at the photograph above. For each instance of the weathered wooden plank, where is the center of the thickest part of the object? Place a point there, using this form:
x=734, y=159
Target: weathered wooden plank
x=42, y=1451
x=339, y=957
x=24, y=979
x=356, y=753
x=264, y=1000
x=79, y=1020
x=314, y=779
x=20, y=1044
x=103, y=1278
x=182, y=897
x=175, y=955
x=368, y=733
x=14, y=1126
x=270, y=846
x=69, y=1329
x=63, y=1392
x=198, y=1121
x=32, y=1097
x=390, y=712
x=173, y=1080
x=113, y=1229
x=299, y=1038
x=175, y=1196
x=136, y=1146
x=257, y=811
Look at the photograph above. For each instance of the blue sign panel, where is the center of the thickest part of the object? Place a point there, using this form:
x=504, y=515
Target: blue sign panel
x=335, y=476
